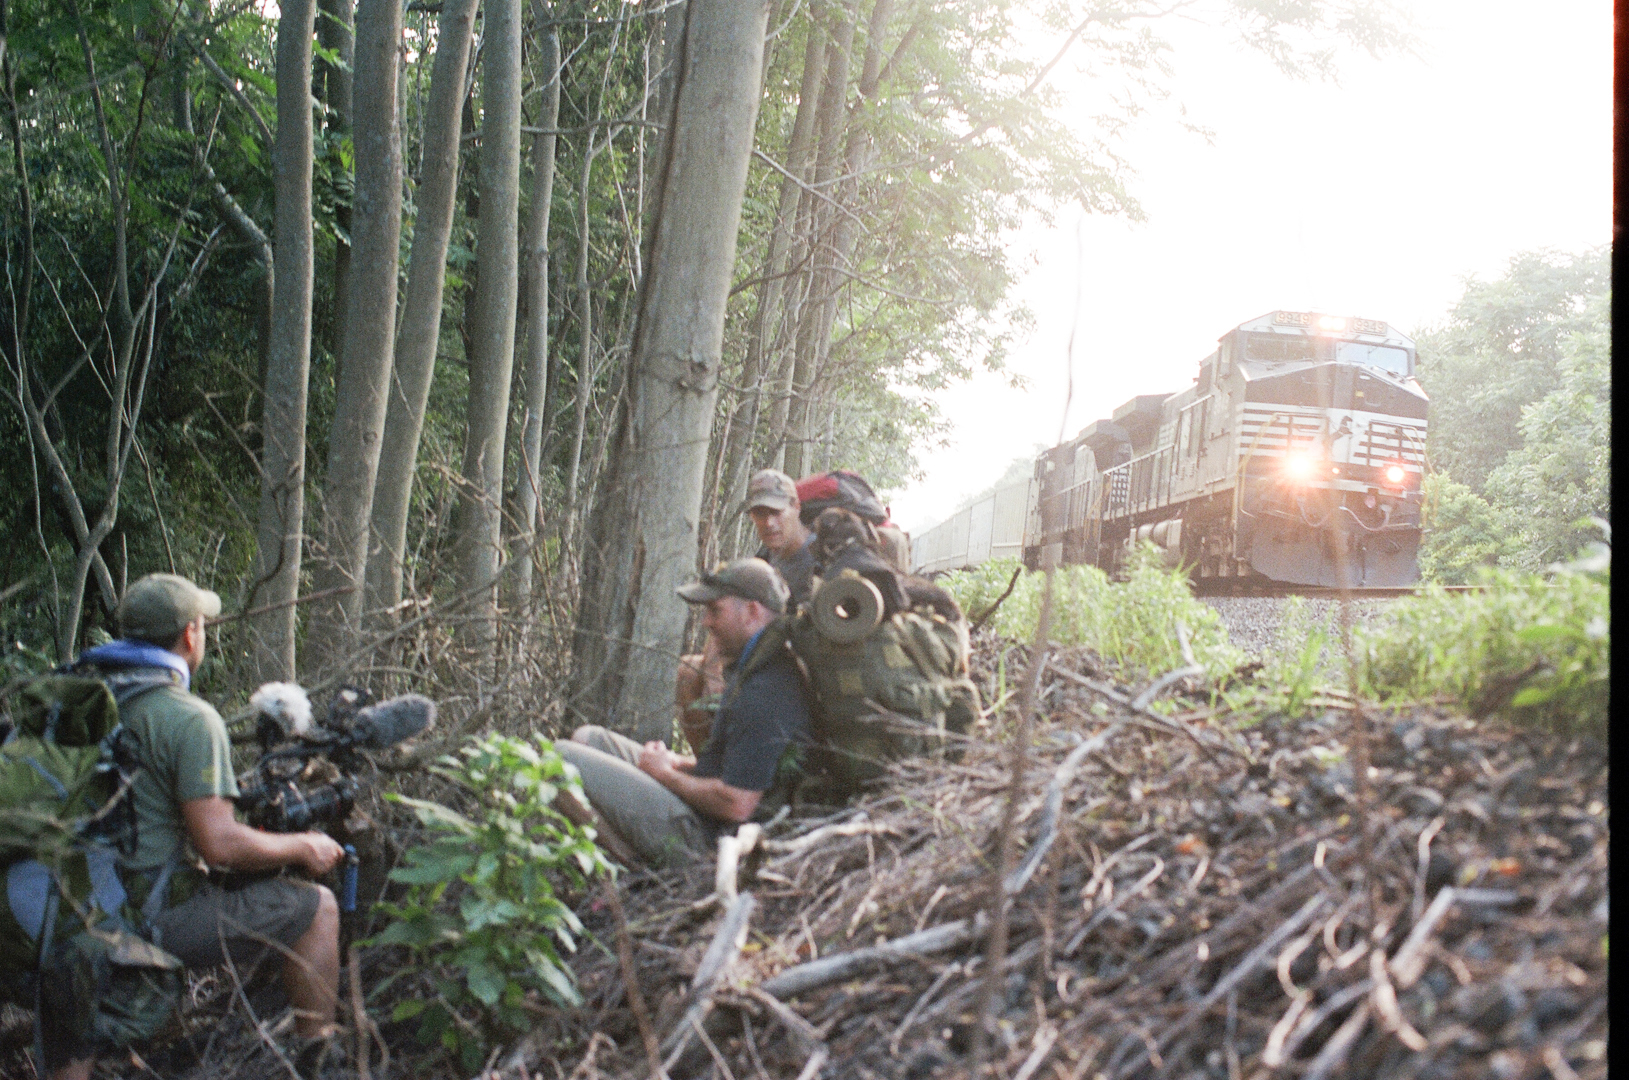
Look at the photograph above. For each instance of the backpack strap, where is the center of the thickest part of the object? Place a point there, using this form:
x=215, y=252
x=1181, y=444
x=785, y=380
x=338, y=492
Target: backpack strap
x=158, y=896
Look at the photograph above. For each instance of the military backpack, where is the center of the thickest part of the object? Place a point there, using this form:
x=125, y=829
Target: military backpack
x=884, y=689
x=69, y=942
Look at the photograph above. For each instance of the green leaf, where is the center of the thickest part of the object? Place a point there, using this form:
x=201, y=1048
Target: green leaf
x=406, y=1010
x=485, y=983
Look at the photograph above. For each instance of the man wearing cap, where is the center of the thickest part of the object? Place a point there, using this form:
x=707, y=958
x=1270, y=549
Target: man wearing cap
x=184, y=817
x=671, y=808
x=788, y=546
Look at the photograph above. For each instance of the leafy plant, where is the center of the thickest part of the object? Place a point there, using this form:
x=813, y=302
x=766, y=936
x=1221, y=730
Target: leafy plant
x=1131, y=623
x=1533, y=648
x=481, y=915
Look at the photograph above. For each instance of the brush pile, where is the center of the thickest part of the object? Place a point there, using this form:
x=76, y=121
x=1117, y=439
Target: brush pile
x=1184, y=900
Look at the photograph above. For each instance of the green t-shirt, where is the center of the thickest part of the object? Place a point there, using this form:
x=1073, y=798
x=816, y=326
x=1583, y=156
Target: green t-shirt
x=185, y=755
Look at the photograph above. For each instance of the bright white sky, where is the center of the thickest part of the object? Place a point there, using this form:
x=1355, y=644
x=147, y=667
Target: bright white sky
x=1494, y=141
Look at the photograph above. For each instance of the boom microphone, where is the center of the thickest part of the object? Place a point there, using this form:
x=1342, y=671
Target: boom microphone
x=391, y=721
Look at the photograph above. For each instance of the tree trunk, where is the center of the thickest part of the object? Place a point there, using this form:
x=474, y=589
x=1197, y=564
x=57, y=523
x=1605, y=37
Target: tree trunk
x=366, y=360
x=537, y=314
x=759, y=354
x=833, y=102
x=585, y=356
x=421, y=308
x=642, y=543
x=491, y=360
x=282, y=491
x=336, y=31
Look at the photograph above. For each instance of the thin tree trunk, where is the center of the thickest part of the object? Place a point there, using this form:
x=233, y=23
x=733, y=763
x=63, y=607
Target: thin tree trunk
x=642, y=542
x=833, y=102
x=421, y=308
x=282, y=490
x=537, y=312
x=336, y=31
x=361, y=390
x=585, y=331
x=491, y=361
x=744, y=423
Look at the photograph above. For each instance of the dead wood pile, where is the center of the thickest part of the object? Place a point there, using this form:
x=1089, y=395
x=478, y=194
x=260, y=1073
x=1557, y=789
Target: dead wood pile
x=1205, y=906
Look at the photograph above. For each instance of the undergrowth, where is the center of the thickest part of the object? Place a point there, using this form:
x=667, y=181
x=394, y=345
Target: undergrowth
x=1131, y=623
x=480, y=916
x=1534, y=649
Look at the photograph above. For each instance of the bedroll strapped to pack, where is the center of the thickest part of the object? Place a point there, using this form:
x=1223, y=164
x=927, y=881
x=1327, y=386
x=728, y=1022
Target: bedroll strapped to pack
x=69, y=946
x=885, y=689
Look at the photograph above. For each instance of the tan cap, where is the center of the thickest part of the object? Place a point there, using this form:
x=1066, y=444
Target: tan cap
x=159, y=606
x=748, y=579
x=771, y=488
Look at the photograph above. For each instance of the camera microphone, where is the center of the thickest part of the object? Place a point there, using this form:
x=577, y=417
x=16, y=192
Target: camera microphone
x=391, y=721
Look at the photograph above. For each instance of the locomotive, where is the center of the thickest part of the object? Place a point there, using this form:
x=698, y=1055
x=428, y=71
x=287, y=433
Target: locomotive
x=1295, y=458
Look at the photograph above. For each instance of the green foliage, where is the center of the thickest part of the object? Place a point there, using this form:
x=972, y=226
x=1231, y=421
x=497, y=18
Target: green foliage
x=1562, y=474
x=1130, y=623
x=1535, y=649
x=1501, y=350
x=1463, y=533
x=480, y=914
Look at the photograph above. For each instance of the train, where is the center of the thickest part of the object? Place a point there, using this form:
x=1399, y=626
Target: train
x=1296, y=458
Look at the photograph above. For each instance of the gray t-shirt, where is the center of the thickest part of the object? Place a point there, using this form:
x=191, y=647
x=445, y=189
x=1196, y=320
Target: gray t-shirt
x=797, y=569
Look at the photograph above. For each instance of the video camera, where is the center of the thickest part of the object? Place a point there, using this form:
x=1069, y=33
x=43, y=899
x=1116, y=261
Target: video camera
x=305, y=777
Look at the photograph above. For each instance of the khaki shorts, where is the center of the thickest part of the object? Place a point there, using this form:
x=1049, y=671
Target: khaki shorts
x=662, y=827
x=242, y=920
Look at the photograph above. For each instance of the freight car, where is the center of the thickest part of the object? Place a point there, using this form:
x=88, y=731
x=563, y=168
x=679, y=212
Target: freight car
x=1295, y=458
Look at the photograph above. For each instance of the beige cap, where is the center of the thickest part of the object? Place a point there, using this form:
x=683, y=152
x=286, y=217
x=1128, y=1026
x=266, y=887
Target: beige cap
x=748, y=579
x=771, y=488
x=159, y=606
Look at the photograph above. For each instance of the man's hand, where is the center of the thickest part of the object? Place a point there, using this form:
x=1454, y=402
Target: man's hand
x=322, y=853
x=226, y=842
x=657, y=761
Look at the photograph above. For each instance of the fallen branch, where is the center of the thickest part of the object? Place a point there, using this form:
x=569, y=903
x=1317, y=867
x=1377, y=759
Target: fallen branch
x=1145, y=717
x=731, y=850
x=1048, y=830
x=991, y=610
x=1409, y=963
x=721, y=953
x=829, y=969
x=787, y=850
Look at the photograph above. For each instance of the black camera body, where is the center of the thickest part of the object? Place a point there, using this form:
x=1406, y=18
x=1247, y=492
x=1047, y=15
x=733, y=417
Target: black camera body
x=282, y=805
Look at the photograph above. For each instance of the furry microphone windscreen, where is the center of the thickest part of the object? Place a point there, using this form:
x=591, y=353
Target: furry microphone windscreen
x=285, y=703
x=393, y=720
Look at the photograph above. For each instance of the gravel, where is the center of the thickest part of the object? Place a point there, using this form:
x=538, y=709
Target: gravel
x=1253, y=622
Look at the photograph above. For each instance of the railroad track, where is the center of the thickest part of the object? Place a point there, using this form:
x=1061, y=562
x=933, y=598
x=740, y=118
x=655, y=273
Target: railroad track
x=1234, y=587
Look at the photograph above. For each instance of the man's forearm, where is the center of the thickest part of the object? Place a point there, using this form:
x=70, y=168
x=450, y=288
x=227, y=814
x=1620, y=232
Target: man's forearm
x=711, y=796
x=248, y=848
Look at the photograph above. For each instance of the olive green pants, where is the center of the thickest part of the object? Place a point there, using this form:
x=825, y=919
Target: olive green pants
x=659, y=825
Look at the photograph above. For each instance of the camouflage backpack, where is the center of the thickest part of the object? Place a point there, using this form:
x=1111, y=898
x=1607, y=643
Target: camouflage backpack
x=884, y=689
x=69, y=947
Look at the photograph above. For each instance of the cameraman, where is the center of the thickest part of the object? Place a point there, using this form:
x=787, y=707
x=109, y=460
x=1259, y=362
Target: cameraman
x=184, y=818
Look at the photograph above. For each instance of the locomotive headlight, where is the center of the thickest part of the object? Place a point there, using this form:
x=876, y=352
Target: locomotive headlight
x=1394, y=474
x=1299, y=465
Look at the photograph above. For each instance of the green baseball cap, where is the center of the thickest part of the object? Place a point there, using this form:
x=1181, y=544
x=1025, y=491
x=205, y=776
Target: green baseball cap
x=748, y=579
x=159, y=606
x=771, y=488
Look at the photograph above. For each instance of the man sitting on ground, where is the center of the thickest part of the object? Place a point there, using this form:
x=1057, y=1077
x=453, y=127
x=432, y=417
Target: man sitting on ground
x=184, y=815
x=672, y=808
x=772, y=504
